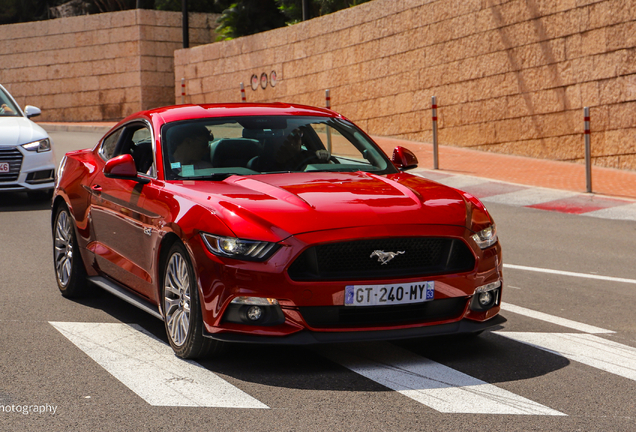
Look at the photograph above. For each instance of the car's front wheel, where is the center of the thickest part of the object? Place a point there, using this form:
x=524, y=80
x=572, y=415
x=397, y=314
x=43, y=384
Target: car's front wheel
x=182, y=309
x=69, y=267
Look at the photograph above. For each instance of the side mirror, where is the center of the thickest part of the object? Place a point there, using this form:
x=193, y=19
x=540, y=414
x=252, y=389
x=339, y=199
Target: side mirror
x=404, y=158
x=32, y=111
x=123, y=167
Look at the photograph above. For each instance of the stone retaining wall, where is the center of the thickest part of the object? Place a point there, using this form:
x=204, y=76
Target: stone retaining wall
x=511, y=76
x=96, y=67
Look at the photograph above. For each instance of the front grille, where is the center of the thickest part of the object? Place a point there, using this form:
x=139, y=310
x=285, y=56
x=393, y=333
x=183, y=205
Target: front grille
x=360, y=316
x=352, y=260
x=13, y=157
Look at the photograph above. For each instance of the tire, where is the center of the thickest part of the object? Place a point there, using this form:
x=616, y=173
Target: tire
x=182, y=309
x=70, y=272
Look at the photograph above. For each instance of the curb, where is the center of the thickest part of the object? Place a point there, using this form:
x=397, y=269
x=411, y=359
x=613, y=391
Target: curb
x=77, y=127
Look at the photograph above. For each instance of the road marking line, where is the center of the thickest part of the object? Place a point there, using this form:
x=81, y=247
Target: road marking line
x=563, y=322
x=149, y=367
x=432, y=384
x=588, y=349
x=567, y=273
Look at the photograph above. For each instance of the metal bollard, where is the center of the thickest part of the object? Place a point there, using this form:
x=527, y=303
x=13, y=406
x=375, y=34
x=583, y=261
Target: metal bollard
x=588, y=150
x=182, y=91
x=435, y=149
x=328, y=105
x=243, y=99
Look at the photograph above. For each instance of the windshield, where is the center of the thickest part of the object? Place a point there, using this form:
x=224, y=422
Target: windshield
x=7, y=107
x=210, y=148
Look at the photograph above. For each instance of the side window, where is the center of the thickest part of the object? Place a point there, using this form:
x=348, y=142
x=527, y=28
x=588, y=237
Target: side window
x=141, y=151
x=137, y=142
x=107, y=151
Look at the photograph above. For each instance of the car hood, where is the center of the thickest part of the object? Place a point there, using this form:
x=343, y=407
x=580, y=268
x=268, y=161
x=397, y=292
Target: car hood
x=19, y=130
x=272, y=207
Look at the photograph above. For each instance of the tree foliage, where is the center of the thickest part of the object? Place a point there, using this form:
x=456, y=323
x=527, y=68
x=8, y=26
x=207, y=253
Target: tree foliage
x=247, y=17
x=293, y=9
x=238, y=17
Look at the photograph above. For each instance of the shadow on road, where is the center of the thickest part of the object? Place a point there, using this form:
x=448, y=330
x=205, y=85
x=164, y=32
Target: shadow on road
x=489, y=357
x=19, y=202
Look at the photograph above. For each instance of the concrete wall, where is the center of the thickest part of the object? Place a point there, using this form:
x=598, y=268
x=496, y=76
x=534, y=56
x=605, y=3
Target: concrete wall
x=96, y=67
x=511, y=76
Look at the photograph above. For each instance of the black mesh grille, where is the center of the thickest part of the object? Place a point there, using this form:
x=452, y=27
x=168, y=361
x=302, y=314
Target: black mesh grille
x=357, y=316
x=354, y=260
x=13, y=157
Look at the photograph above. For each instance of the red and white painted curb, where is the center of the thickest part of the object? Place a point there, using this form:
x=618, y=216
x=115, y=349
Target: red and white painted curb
x=492, y=191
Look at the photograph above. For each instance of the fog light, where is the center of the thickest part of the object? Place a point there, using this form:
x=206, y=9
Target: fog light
x=485, y=298
x=258, y=301
x=254, y=313
x=488, y=287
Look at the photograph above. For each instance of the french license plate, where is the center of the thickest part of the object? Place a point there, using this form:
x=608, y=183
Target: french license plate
x=4, y=167
x=379, y=295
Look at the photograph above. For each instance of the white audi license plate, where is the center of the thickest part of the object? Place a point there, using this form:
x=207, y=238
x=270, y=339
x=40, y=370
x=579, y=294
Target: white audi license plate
x=4, y=167
x=379, y=295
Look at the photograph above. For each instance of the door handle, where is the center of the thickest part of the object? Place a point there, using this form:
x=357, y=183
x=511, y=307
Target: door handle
x=97, y=189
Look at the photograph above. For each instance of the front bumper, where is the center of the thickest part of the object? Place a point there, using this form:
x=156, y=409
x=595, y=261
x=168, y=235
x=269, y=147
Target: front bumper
x=307, y=337
x=36, y=172
x=310, y=308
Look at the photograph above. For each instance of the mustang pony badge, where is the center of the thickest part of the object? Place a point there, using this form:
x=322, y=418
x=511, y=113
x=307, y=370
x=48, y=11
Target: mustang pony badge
x=385, y=257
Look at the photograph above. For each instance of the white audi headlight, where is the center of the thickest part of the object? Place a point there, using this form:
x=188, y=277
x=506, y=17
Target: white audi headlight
x=486, y=237
x=251, y=250
x=40, y=146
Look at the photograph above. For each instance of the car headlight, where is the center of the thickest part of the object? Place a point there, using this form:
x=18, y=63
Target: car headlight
x=250, y=250
x=40, y=146
x=486, y=237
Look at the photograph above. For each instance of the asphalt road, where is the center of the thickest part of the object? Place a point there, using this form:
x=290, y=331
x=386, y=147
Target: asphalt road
x=565, y=377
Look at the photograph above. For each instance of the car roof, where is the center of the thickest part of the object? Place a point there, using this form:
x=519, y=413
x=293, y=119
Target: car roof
x=187, y=112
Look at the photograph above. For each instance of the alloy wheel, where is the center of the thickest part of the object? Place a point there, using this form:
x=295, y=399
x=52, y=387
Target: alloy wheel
x=177, y=299
x=63, y=244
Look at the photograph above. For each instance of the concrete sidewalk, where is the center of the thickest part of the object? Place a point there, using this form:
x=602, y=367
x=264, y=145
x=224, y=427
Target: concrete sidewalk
x=494, y=177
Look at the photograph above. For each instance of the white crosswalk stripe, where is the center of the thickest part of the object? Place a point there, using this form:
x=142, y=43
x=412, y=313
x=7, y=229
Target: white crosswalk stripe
x=553, y=319
x=432, y=384
x=149, y=368
x=588, y=349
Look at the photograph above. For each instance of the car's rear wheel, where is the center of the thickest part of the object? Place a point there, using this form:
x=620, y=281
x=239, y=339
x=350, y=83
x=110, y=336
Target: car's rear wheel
x=182, y=309
x=69, y=267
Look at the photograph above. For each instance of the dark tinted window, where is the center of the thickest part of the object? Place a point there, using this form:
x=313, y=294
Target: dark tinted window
x=267, y=144
x=107, y=151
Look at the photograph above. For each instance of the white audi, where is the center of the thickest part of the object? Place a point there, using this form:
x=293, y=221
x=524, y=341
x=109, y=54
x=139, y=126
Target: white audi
x=27, y=162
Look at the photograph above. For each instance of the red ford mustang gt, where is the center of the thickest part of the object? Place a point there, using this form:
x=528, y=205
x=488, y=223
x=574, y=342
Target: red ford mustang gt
x=271, y=223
